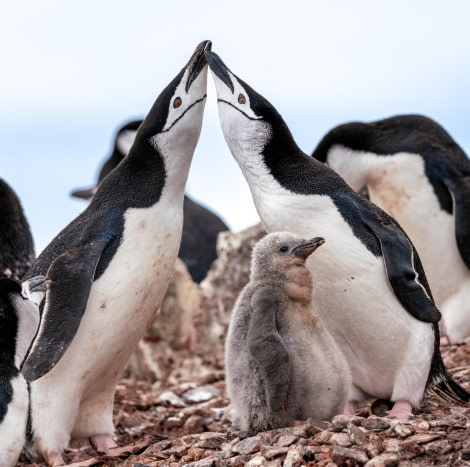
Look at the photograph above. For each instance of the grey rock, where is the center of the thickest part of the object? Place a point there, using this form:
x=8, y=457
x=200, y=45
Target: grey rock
x=375, y=423
x=384, y=460
x=200, y=394
x=248, y=445
x=345, y=456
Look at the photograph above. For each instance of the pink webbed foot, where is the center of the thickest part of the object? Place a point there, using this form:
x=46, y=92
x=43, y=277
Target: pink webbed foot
x=446, y=341
x=401, y=409
x=102, y=443
x=53, y=459
x=349, y=408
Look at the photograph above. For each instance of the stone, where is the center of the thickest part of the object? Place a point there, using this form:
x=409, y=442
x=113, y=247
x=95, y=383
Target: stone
x=375, y=423
x=170, y=398
x=294, y=456
x=340, y=422
x=357, y=435
x=340, y=439
x=211, y=440
x=200, y=394
x=384, y=460
x=343, y=456
x=248, y=445
x=286, y=440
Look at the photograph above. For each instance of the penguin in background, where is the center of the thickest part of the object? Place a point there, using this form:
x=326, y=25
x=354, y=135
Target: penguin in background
x=281, y=363
x=414, y=170
x=200, y=225
x=16, y=242
x=372, y=294
x=19, y=321
x=109, y=269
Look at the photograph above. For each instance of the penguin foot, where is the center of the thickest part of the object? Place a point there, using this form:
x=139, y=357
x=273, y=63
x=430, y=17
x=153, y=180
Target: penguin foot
x=401, y=409
x=102, y=443
x=446, y=341
x=349, y=408
x=54, y=459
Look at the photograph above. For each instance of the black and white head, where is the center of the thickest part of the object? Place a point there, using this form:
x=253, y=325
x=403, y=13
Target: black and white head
x=248, y=121
x=19, y=315
x=279, y=252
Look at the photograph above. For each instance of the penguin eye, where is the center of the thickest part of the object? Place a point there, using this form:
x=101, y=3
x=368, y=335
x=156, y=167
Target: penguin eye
x=241, y=99
x=177, y=102
x=283, y=249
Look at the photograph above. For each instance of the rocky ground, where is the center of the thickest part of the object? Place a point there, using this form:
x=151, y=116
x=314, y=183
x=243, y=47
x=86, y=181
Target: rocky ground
x=184, y=423
x=170, y=405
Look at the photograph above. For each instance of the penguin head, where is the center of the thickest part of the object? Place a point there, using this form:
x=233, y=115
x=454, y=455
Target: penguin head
x=250, y=123
x=174, y=122
x=19, y=315
x=279, y=252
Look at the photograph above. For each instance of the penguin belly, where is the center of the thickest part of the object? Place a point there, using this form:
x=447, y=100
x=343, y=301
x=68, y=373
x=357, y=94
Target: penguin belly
x=320, y=375
x=399, y=185
x=388, y=350
x=13, y=425
x=76, y=397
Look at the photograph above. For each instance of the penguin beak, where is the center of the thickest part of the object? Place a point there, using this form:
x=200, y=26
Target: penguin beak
x=219, y=68
x=197, y=62
x=38, y=284
x=305, y=249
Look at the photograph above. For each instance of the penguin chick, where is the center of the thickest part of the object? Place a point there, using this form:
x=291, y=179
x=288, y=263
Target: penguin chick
x=414, y=170
x=281, y=362
x=372, y=293
x=19, y=320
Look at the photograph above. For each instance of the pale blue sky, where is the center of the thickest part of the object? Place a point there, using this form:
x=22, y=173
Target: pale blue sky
x=71, y=72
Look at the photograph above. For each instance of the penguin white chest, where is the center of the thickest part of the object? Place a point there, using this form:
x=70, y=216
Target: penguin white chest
x=124, y=300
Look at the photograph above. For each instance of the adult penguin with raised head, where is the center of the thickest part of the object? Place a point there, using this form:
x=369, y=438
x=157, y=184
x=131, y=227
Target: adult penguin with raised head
x=109, y=269
x=416, y=172
x=19, y=321
x=372, y=293
x=200, y=226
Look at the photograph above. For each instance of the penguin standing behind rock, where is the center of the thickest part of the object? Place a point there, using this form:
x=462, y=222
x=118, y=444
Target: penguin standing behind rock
x=200, y=225
x=19, y=321
x=281, y=363
x=16, y=242
x=418, y=174
x=109, y=269
x=372, y=294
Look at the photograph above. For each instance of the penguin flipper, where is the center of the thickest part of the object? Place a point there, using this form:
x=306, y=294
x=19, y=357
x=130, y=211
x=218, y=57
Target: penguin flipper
x=402, y=264
x=460, y=191
x=71, y=276
x=266, y=346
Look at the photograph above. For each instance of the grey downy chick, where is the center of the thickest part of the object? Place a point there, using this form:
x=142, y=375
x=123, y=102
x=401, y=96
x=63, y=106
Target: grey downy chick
x=281, y=363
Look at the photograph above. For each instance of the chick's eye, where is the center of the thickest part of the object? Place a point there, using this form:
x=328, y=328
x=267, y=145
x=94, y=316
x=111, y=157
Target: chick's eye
x=241, y=99
x=283, y=249
x=177, y=102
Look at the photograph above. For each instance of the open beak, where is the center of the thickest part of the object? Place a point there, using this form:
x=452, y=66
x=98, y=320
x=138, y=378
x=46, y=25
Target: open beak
x=219, y=68
x=197, y=62
x=305, y=249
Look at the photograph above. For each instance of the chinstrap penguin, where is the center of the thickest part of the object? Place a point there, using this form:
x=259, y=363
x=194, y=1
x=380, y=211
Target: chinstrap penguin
x=200, y=225
x=16, y=242
x=109, y=269
x=19, y=321
x=372, y=294
x=281, y=363
x=416, y=172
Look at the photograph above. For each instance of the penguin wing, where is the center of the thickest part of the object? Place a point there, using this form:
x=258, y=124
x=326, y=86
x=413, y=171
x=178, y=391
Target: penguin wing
x=402, y=263
x=267, y=348
x=71, y=276
x=460, y=191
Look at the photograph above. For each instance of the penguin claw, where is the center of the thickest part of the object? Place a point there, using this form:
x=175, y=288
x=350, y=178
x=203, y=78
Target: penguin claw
x=54, y=459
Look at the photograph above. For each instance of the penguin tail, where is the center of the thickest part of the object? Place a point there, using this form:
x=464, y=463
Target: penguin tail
x=447, y=389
